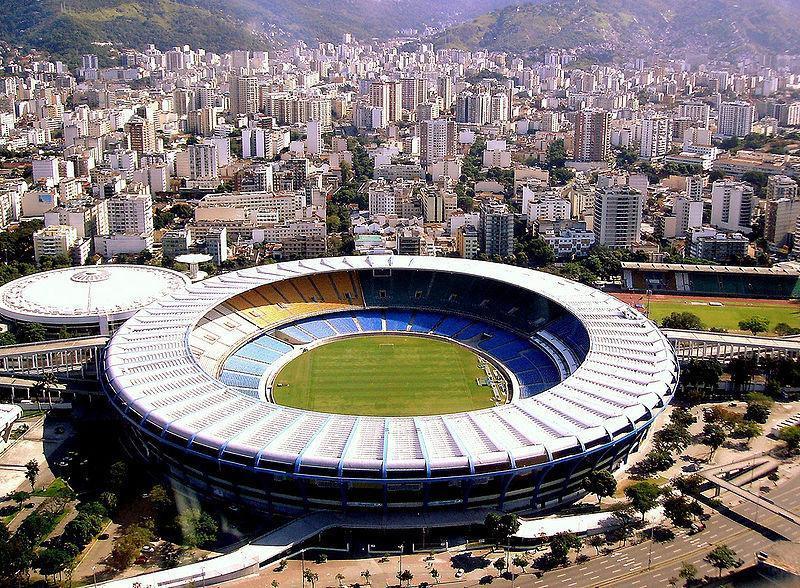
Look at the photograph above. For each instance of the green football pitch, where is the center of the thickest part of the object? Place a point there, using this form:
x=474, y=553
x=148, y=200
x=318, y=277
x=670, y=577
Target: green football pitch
x=728, y=315
x=384, y=375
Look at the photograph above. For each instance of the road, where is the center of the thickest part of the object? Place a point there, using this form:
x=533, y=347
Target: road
x=627, y=566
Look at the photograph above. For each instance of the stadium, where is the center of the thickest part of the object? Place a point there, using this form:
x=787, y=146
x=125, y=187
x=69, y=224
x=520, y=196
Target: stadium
x=387, y=384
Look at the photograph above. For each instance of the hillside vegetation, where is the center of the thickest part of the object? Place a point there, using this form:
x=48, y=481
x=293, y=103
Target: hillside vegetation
x=627, y=25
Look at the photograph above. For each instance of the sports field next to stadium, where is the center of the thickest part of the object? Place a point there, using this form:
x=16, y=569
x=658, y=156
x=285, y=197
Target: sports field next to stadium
x=723, y=313
x=384, y=375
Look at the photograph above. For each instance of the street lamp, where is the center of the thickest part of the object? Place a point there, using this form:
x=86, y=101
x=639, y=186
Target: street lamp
x=94, y=574
x=400, y=547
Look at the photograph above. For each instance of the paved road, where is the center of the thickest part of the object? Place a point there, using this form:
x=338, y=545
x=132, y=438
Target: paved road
x=629, y=566
x=624, y=567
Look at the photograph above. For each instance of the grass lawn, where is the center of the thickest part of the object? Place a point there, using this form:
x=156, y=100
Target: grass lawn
x=57, y=487
x=384, y=375
x=732, y=311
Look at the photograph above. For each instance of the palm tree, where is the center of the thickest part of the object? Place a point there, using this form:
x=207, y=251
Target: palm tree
x=435, y=575
x=340, y=579
x=311, y=577
x=366, y=575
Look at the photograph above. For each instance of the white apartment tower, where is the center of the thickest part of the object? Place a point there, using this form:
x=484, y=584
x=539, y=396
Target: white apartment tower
x=732, y=206
x=618, y=216
x=735, y=119
x=656, y=133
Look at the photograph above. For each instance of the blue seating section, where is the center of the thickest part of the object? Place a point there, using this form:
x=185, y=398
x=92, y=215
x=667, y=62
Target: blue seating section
x=424, y=322
x=569, y=330
x=344, y=325
x=370, y=320
x=397, y=320
x=535, y=369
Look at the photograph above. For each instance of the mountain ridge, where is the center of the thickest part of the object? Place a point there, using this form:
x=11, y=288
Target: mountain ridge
x=719, y=25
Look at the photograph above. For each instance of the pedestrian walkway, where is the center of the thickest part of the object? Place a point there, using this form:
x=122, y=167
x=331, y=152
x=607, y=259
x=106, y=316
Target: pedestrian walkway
x=714, y=474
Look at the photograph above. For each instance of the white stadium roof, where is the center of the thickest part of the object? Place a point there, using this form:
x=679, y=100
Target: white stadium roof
x=84, y=295
x=627, y=377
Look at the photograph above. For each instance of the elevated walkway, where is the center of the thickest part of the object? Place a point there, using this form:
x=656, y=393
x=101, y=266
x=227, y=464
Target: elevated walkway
x=708, y=345
x=714, y=475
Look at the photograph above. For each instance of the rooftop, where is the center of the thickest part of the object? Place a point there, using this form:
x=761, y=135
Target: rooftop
x=81, y=293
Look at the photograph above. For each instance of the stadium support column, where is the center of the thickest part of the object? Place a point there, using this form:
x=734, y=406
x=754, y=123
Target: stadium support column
x=535, y=498
x=504, y=488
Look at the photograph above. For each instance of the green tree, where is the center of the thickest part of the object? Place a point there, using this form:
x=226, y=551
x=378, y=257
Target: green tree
x=678, y=509
x=643, y=496
x=32, y=472
x=596, y=541
x=405, y=576
x=672, y=437
x=784, y=330
x=16, y=556
x=748, y=431
x=682, y=417
x=759, y=407
x=556, y=154
x=600, y=483
x=755, y=324
x=311, y=577
x=128, y=546
x=791, y=437
x=688, y=572
x=520, y=561
x=500, y=565
x=117, y=476
x=682, y=320
x=713, y=436
x=722, y=557
x=52, y=561
x=435, y=575
x=198, y=527
x=367, y=575
x=30, y=332
x=500, y=527
x=561, y=544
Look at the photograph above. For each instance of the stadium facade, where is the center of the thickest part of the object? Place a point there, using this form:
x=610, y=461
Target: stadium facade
x=190, y=376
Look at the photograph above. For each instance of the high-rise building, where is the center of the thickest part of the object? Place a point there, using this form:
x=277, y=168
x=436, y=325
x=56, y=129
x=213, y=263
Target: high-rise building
x=781, y=187
x=141, y=135
x=688, y=215
x=473, y=108
x=593, y=135
x=314, y=137
x=389, y=97
x=656, y=133
x=780, y=220
x=130, y=214
x=496, y=227
x=244, y=94
x=217, y=244
x=415, y=92
x=735, y=119
x=202, y=121
x=444, y=88
x=198, y=162
x=467, y=242
x=438, y=140
x=698, y=112
x=617, y=216
x=732, y=206
x=257, y=142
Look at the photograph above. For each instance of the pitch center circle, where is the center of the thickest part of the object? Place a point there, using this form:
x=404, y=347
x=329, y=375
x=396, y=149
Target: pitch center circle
x=390, y=375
